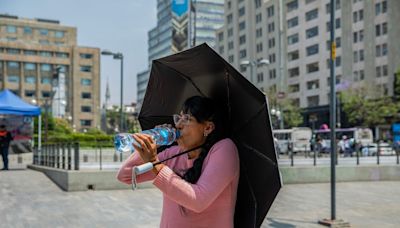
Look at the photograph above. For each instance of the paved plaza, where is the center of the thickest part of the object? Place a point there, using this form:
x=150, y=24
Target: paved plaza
x=29, y=199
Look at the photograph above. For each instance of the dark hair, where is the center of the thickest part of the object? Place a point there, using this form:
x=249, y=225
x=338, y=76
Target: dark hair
x=203, y=109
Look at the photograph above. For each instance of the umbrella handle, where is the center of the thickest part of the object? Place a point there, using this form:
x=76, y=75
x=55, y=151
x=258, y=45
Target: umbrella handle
x=137, y=170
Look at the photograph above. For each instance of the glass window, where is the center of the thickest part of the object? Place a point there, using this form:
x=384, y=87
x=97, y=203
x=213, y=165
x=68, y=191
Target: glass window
x=313, y=84
x=292, y=5
x=44, y=32
x=293, y=22
x=62, y=55
x=27, y=30
x=30, y=79
x=293, y=39
x=378, y=50
x=241, y=11
x=46, y=94
x=13, y=51
x=86, y=123
x=29, y=93
x=86, y=82
x=242, y=39
x=44, y=42
x=312, y=32
x=13, y=78
x=312, y=50
x=377, y=30
x=313, y=101
x=378, y=72
x=13, y=65
x=30, y=66
x=242, y=53
x=86, y=109
x=11, y=29
x=384, y=6
x=242, y=25
x=293, y=55
x=86, y=95
x=45, y=80
x=230, y=32
x=377, y=8
x=259, y=32
x=270, y=11
x=384, y=49
x=312, y=14
x=59, y=34
x=385, y=70
x=312, y=67
x=229, y=18
x=86, y=68
x=45, y=67
x=45, y=53
x=384, y=28
x=294, y=72
x=30, y=52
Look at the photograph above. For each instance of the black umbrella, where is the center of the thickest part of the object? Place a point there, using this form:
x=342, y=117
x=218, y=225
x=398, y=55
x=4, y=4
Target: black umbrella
x=201, y=71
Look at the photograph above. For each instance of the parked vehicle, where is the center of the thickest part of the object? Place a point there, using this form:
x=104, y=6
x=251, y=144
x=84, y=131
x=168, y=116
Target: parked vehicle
x=298, y=138
x=384, y=149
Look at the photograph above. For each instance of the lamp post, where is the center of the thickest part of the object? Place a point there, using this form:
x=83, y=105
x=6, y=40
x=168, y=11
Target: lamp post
x=279, y=116
x=252, y=64
x=119, y=56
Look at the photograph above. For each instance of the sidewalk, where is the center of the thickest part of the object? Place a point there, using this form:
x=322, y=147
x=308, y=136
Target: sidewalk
x=29, y=199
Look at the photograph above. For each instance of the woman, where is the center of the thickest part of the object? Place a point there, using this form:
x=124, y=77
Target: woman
x=199, y=188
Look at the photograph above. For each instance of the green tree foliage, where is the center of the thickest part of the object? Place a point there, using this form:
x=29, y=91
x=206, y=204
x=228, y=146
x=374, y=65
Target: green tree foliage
x=291, y=114
x=365, y=107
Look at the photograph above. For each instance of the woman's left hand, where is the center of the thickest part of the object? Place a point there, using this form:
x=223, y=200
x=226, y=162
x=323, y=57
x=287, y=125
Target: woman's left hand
x=148, y=150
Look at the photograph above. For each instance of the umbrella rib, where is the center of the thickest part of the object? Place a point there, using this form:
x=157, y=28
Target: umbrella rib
x=187, y=78
x=239, y=129
x=259, y=154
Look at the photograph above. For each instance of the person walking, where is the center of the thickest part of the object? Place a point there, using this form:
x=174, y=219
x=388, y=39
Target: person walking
x=5, y=139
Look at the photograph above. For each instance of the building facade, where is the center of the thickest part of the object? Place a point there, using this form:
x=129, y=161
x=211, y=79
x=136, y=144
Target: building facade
x=41, y=62
x=173, y=33
x=294, y=36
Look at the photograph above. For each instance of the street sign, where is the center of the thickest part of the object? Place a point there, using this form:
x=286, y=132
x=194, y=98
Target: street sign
x=281, y=95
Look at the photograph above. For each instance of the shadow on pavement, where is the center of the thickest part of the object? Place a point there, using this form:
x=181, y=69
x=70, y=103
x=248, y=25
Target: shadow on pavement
x=286, y=223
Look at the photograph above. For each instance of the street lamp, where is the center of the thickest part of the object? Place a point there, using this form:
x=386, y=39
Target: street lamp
x=279, y=116
x=252, y=64
x=119, y=56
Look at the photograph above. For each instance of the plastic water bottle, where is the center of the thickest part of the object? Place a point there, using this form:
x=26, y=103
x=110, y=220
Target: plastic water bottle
x=161, y=135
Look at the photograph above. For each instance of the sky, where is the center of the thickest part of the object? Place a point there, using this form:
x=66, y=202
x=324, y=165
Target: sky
x=115, y=25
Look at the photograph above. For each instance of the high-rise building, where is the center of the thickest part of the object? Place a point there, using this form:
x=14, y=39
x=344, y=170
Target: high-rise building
x=41, y=62
x=294, y=36
x=173, y=33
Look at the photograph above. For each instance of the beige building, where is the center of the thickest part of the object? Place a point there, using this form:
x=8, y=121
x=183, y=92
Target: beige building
x=293, y=35
x=34, y=52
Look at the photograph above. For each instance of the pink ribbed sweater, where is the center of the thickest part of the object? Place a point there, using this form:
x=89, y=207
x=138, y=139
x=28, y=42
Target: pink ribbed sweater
x=208, y=203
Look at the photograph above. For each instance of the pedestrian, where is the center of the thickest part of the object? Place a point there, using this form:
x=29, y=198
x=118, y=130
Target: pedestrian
x=5, y=139
x=345, y=146
x=199, y=188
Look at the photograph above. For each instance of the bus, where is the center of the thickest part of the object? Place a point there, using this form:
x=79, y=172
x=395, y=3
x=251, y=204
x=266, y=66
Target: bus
x=362, y=136
x=299, y=137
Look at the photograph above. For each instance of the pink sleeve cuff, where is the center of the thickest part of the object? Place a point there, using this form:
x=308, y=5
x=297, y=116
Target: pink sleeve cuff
x=163, y=178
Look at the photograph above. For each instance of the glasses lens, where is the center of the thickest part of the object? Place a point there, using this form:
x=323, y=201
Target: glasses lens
x=184, y=119
x=176, y=118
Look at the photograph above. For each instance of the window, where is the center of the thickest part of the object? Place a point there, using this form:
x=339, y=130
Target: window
x=229, y=18
x=43, y=32
x=377, y=30
x=13, y=51
x=27, y=30
x=338, y=61
x=30, y=79
x=220, y=38
x=44, y=42
x=361, y=55
x=312, y=32
x=242, y=53
x=294, y=72
x=271, y=43
x=313, y=85
x=13, y=78
x=242, y=39
x=270, y=11
x=30, y=52
x=361, y=35
x=241, y=11
x=62, y=55
x=46, y=94
x=384, y=28
x=86, y=95
x=355, y=16
x=293, y=22
x=384, y=49
x=272, y=74
x=355, y=37
x=258, y=18
x=378, y=72
x=294, y=88
x=293, y=39
x=293, y=55
x=292, y=6
x=361, y=75
x=221, y=50
x=312, y=50
x=378, y=50
x=86, y=123
x=230, y=45
x=86, y=109
x=257, y=3
x=230, y=59
x=271, y=27
x=313, y=101
x=259, y=47
x=377, y=8
x=86, y=82
x=384, y=6
x=242, y=25
x=312, y=67
x=259, y=32
x=355, y=56
x=361, y=15
x=338, y=42
x=13, y=65
x=11, y=29
x=59, y=34
x=30, y=66
x=260, y=77
x=45, y=53
x=45, y=67
x=230, y=32
x=86, y=68
x=385, y=70
x=45, y=80
x=29, y=93
x=313, y=14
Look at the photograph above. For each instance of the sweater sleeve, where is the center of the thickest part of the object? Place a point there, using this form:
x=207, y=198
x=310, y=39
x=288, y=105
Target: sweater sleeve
x=219, y=169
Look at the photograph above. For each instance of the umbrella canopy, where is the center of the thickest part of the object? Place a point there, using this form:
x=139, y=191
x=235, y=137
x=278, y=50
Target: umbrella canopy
x=11, y=104
x=201, y=71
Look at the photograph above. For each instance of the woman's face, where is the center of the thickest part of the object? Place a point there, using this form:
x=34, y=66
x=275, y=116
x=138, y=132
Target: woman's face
x=192, y=132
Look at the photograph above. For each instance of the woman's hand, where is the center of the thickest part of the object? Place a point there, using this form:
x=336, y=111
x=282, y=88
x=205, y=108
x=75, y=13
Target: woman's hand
x=148, y=149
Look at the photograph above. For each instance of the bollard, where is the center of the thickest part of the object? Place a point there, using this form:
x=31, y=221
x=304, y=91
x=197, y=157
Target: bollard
x=358, y=156
x=85, y=158
x=291, y=158
x=115, y=157
x=377, y=153
x=120, y=157
x=397, y=155
x=63, y=156
x=315, y=157
x=101, y=159
x=69, y=156
x=58, y=155
x=76, y=156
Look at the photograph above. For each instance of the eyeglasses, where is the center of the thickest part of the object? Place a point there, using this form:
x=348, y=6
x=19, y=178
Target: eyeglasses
x=183, y=119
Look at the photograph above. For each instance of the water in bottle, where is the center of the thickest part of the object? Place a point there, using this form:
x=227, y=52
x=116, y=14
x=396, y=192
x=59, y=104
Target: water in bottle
x=123, y=142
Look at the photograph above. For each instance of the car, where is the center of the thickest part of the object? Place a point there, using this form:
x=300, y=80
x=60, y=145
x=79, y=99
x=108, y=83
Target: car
x=372, y=148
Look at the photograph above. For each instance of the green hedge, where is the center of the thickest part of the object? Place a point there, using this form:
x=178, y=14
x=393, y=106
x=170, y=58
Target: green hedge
x=85, y=140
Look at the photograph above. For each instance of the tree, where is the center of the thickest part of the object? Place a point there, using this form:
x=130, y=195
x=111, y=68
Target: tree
x=291, y=113
x=365, y=106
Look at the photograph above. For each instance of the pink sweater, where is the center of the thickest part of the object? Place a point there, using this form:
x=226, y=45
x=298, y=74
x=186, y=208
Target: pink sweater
x=208, y=203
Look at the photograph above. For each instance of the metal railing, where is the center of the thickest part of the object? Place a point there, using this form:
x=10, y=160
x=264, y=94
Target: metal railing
x=60, y=156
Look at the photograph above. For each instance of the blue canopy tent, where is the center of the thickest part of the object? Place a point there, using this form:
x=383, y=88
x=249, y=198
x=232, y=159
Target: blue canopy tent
x=11, y=104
